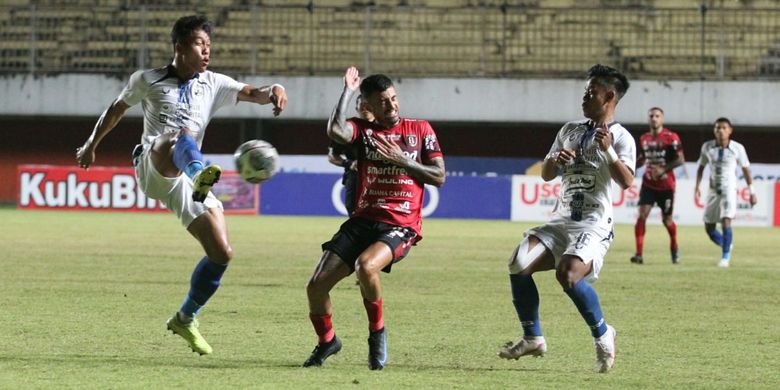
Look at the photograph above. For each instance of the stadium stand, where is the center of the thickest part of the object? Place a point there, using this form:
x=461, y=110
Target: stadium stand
x=433, y=38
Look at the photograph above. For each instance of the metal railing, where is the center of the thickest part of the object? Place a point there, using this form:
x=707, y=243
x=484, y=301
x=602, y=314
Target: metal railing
x=493, y=41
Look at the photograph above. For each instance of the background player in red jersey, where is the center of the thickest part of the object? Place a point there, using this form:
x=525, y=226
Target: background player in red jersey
x=660, y=151
x=396, y=157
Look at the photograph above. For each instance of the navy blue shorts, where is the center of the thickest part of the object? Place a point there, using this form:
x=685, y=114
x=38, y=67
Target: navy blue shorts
x=357, y=234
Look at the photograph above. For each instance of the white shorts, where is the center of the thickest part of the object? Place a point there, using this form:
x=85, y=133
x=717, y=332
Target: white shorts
x=174, y=192
x=585, y=242
x=720, y=206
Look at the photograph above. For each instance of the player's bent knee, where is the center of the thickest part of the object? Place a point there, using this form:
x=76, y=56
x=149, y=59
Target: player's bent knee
x=570, y=271
x=522, y=257
x=221, y=255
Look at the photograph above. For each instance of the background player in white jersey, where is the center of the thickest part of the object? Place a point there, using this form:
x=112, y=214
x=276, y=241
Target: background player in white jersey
x=723, y=156
x=178, y=101
x=590, y=155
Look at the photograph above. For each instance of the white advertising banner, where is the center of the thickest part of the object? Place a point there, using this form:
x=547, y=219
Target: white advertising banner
x=533, y=200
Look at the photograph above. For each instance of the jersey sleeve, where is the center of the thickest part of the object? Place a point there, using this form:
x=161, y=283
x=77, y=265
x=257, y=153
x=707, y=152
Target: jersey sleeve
x=227, y=90
x=355, y=128
x=676, y=144
x=135, y=90
x=430, y=146
x=625, y=147
x=557, y=145
x=742, y=158
x=703, y=158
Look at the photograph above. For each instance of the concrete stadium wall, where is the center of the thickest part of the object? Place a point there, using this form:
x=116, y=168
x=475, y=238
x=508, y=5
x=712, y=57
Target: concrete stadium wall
x=750, y=103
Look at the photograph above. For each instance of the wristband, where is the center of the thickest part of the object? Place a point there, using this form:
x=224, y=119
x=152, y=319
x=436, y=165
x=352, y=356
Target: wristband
x=271, y=89
x=751, y=189
x=612, y=157
x=346, y=164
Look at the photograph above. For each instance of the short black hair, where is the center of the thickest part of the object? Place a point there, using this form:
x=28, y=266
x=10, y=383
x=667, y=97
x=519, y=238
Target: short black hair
x=723, y=119
x=186, y=25
x=611, y=76
x=375, y=83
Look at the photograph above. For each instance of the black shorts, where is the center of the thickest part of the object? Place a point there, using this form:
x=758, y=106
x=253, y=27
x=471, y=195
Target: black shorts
x=664, y=199
x=349, y=180
x=357, y=234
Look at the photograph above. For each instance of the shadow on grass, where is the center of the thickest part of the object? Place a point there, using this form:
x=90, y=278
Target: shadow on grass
x=205, y=362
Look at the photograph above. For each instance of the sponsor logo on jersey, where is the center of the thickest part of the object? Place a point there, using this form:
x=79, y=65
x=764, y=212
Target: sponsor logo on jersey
x=411, y=140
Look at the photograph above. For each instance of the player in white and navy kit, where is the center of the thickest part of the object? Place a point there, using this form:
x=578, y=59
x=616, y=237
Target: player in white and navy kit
x=178, y=102
x=723, y=155
x=589, y=155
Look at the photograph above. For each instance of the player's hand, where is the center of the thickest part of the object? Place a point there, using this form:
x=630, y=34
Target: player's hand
x=85, y=155
x=390, y=151
x=753, y=200
x=603, y=136
x=352, y=79
x=657, y=171
x=278, y=98
x=697, y=194
x=353, y=166
x=564, y=157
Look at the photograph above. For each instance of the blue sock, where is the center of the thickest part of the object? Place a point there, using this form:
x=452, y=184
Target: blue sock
x=187, y=156
x=727, y=237
x=716, y=237
x=526, y=300
x=203, y=284
x=584, y=296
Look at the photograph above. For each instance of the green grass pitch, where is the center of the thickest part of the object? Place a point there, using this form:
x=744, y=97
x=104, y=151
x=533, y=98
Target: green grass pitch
x=84, y=298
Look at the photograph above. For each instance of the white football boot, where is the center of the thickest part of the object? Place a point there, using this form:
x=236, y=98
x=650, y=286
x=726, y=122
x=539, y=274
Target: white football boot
x=536, y=347
x=605, y=350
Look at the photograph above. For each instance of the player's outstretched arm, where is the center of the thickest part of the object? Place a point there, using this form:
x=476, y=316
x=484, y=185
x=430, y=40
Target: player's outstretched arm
x=274, y=94
x=85, y=155
x=339, y=129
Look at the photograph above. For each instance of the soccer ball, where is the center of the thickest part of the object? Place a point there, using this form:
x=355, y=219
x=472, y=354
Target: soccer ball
x=256, y=161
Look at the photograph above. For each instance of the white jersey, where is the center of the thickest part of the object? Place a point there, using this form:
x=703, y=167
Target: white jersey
x=723, y=164
x=586, y=185
x=169, y=104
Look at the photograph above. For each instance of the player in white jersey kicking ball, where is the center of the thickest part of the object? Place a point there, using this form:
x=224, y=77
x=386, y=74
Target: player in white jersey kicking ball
x=723, y=155
x=589, y=155
x=178, y=102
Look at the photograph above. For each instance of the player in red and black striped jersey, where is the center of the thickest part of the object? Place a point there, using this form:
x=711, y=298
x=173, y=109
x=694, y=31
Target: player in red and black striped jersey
x=660, y=151
x=396, y=157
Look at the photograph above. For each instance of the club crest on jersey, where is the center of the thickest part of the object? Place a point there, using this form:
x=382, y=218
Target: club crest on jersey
x=411, y=140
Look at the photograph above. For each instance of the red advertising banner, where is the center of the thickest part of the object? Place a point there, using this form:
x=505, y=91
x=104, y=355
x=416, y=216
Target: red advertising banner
x=777, y=203
x=112, y=189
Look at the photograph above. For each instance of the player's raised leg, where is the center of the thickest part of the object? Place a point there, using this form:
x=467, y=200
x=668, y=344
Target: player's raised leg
x=210, y=230
x=571, y=272
x=188, y=159
x=330, y=270
x=530, y=256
